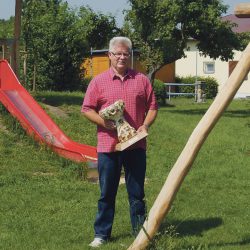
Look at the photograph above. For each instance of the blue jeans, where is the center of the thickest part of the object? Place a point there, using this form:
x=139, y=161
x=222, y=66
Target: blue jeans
x=109, y=168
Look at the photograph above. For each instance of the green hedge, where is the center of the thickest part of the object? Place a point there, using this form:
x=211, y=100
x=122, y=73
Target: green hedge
x=211, y=89
x=160, y=92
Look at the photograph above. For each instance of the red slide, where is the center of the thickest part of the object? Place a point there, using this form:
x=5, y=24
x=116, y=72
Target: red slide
x=35, y=120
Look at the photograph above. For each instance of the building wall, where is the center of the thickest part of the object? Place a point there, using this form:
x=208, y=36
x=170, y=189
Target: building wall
x=193, y=65
x=166, y=73
x=244, y=90
x=95, y=65
x=99, y=63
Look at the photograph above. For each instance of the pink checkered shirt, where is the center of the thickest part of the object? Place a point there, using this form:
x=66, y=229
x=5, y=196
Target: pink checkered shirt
x=137, y=93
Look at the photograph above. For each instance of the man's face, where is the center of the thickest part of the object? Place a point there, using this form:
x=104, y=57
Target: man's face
x=119, y=58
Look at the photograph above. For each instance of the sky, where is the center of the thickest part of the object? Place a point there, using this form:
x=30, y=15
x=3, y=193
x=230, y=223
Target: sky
x=114, y=7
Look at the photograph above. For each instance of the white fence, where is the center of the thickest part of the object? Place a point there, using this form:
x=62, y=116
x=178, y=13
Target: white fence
x=198, y=93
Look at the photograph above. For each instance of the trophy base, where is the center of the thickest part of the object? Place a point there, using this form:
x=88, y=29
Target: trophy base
x=123, y=145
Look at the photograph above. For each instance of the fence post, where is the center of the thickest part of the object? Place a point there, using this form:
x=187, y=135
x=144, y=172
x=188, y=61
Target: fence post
x=169, y=93
x=199, y=91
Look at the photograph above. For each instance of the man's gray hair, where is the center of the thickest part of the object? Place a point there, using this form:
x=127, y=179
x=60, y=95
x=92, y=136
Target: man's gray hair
x=120, y=40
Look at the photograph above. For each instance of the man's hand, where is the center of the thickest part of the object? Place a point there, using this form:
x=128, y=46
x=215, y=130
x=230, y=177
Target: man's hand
x=109, y=124
x=143, y=128
x=93, y=116
x=149, y=119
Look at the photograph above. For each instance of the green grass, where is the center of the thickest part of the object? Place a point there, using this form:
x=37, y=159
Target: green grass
x=46, y=204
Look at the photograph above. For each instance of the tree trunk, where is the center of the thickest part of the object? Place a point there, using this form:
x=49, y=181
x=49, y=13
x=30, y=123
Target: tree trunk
x=34, y=78
x=152, y=72
x=151, y=76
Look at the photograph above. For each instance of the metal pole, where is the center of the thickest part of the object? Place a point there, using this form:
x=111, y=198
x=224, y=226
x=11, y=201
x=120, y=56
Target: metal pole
x=196, y=65
x=169, y=92
x=91, y=64
x=132, y=59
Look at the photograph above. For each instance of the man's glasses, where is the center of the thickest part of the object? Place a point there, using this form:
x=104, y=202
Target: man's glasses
x=119, y=55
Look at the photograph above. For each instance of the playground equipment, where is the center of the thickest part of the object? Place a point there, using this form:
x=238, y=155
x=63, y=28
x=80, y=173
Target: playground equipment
x=35, y=120
x=183, y=164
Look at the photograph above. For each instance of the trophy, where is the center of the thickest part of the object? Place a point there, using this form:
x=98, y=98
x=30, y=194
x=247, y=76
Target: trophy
x=127, y=135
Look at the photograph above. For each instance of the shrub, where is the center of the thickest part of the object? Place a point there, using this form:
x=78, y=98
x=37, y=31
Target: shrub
x=85, y=83
x=211, y=89
x=160, y=92
x=211, y=86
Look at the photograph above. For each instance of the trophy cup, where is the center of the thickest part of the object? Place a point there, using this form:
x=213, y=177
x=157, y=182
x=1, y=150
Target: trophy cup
x=127, y=135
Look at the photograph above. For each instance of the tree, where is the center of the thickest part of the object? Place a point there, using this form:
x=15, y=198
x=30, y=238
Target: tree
x=96, y=28
x=7, y=28
x=244, y=39
x=57, y=40
x=161, y=29
x=54, y=46
x=6, y=31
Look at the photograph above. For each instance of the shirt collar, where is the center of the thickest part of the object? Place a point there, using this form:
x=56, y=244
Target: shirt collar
x=129, y=73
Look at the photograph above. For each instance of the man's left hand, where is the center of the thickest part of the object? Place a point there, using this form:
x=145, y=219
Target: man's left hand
x=143, y=128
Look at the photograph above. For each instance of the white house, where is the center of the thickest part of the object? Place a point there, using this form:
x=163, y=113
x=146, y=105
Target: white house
x=196, y=65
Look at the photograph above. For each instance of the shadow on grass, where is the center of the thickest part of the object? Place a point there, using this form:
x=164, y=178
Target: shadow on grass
x=193, y=227
x=168, y=104
x=243, y=242
x=236, y=243
x=230, y=113
x=58, y=99
x=196, y=227
x=238, y=113
x=178, y=229
x=121, y=236
x=186, y=111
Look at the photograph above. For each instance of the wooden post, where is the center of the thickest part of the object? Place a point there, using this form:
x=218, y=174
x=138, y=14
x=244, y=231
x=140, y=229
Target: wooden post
x=17, y=31
x=242, y=10
x=183, y=164
x=34, y=78
x=3, y=51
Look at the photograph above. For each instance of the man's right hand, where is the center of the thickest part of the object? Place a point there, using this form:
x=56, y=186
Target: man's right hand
x=93, y=116
x=109, y=124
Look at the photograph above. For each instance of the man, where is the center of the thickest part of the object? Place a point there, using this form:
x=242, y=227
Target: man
x=120, y=82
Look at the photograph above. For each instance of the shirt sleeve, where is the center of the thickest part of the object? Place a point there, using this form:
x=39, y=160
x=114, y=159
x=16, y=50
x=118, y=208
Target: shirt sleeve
x=91, y=97
x=151, y=99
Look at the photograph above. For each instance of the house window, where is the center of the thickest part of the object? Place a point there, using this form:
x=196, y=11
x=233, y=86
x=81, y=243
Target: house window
x=231, y=66
x=208, y=67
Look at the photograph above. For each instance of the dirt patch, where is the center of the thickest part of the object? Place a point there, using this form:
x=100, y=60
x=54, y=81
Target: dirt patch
x=56, y=111
x=94, y=178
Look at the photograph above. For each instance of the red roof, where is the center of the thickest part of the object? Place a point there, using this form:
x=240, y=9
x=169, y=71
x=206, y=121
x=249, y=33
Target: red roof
x=243, y=24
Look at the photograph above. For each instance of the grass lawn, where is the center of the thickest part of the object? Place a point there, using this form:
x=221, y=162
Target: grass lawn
x=46, y=204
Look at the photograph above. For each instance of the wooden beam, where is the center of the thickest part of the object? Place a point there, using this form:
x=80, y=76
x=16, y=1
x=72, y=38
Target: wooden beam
x=17, y=32
x=242, y=10
x=183, y=164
